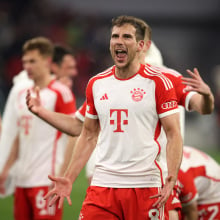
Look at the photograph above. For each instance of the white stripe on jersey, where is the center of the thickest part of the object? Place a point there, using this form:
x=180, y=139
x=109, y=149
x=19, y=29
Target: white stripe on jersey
x=106, y=72
x=154, y=71
x=64, y=91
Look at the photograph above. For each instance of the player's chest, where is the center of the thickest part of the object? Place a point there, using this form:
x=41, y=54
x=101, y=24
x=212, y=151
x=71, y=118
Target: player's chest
x=48, y=100
x=132, y=95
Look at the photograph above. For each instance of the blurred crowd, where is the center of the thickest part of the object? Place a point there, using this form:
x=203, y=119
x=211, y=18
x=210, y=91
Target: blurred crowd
x=22, y=20
x=88, y=36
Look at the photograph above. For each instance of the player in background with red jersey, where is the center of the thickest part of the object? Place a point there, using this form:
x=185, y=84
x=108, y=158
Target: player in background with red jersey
x=198, y=185
x=37, y=148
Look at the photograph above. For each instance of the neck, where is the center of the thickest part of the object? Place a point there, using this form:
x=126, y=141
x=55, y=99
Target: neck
x=127, y=71
x=43, y=82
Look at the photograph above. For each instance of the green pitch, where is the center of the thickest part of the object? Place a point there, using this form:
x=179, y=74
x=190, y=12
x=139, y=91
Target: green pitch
x=77, y=196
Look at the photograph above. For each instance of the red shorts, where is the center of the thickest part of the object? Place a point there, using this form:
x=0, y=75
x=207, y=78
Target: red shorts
x=29, y=204
x=173, y=203
x=209, y=212
x=118, y=204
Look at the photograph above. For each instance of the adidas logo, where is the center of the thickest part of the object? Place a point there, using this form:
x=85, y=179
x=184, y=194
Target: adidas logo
x=104, y=97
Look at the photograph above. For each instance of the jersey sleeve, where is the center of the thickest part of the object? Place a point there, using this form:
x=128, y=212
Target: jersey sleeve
x=81, y=112
x=90, y=108
x=183, y=96
x=188, y=189
x=166, y=100
x=66, y=102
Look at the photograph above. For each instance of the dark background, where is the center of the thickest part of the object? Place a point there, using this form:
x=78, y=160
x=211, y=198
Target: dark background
x=186, y=32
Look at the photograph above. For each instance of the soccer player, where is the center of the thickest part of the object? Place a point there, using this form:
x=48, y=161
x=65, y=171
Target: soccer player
x=130, y=101
x=38, y=148
x=199, y=185
x=63, y=68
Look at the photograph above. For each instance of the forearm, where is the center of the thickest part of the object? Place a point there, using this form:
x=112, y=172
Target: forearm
x=208, y=104
x=84, y=147
x=202, y=103
x=13, y=155
x=64, y=123
x=68, y=154
x=174, y=155
x=190, y=211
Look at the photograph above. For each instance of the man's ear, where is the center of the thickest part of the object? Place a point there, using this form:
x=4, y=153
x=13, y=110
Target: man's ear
x=147, y=45
x=140, y=45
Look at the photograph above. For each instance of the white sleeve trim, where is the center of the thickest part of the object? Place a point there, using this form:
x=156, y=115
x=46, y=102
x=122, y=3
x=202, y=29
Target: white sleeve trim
x=80, y=116
x=188, y=97
x=91, y=116
x=168, y=113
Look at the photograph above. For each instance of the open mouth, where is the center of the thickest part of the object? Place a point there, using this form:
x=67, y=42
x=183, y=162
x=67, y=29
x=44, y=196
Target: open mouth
x=121, y=54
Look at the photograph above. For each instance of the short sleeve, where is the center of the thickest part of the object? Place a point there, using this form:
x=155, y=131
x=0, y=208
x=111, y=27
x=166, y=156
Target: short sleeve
x=166, y=100
x=81, y=112
x=90, y=108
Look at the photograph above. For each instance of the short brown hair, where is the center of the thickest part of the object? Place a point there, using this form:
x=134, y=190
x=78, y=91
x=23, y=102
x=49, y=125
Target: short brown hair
x=42, y=44
x=141, y=26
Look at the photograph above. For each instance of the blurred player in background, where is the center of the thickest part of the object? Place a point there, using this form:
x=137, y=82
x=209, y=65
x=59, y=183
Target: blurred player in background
x=35, y=140
x=64, y=68
x=198, y=185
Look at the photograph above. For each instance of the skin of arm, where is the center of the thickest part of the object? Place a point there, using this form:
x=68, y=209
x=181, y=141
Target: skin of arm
x=10, y=161
x=203, y=101
x=190, y=211
x=65, y=123
x=174, y=149
x=173, y=215
x=68, y=154
x=82, y=151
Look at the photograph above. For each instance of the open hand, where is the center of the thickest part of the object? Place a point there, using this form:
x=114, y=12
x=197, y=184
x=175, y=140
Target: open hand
x=62, y=188
x=165, y=193
x=196, y=83
x=33, y=103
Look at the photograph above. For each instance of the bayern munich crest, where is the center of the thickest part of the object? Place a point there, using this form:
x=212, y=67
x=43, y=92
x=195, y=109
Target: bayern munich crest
x=137, y=94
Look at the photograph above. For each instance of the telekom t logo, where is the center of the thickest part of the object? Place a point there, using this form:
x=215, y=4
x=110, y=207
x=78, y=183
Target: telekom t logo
x=121, y=118
x=25, y=123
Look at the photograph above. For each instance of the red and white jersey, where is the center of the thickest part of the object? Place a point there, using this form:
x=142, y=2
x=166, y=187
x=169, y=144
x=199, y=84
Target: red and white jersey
x=81, y=112
x=199, y=178
x=41, y=147
x=129, y=113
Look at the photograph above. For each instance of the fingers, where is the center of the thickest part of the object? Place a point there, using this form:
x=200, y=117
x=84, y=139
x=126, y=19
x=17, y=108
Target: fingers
x=155, y=196
x=53, y=200
x=69, y=200
x=52, y=178
x=49, y=194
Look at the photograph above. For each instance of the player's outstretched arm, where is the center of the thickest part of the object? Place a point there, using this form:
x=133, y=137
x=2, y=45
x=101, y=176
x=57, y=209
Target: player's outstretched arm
x=65, y=123
x=203, y=101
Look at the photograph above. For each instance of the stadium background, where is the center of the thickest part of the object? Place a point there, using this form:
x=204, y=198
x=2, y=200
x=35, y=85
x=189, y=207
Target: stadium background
x=187, y=33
